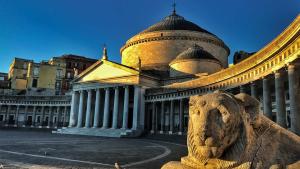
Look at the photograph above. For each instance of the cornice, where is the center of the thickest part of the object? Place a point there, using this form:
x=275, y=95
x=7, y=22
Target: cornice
x=214, y=41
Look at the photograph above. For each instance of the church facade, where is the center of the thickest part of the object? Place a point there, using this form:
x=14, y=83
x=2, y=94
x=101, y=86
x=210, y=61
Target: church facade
x=172, y=60
x=161, y=68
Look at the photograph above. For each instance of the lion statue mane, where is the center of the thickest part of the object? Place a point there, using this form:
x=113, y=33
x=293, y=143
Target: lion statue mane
x=228, y=131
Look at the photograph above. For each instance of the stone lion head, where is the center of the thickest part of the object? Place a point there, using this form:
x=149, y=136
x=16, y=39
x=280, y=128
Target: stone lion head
x=216, y=122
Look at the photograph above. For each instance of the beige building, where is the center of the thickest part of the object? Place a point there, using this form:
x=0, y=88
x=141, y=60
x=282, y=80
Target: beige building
x=47, y=77
x=18, y=73
x=172, y=60
x=161, y=68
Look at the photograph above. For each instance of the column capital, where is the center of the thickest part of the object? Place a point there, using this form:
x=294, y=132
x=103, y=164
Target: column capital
x=277, y=73
x=116, y=87
x=291, y=67
x=107, y=88
x=126, y=86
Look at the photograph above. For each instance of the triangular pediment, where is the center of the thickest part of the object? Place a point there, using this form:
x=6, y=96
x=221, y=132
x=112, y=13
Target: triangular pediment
x=105, y=70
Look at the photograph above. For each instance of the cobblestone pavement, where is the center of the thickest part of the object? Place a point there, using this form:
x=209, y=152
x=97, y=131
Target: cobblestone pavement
x=38, y=150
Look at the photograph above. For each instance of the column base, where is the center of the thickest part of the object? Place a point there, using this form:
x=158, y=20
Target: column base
x=180, y=133
x=161, y=132
x=15, y=125
x=6, y=125
x=48, y=126
x=94, y=127
x=104, y=127
x=152, y=131
x=31, y=126
x=23, y=125
x=170, y=132
x=40, y=127
x=123, y=128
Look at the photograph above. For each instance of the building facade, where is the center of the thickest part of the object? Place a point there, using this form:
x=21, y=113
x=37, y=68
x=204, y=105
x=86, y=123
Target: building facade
x=47, y=77
x=172, y=60
x=149, y=90
x=34, y=111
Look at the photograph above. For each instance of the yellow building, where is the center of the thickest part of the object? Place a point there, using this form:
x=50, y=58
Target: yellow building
x=18, y=73
x=47, y=77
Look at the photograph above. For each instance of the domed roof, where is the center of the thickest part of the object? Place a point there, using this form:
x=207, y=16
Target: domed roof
x=194, y=52
x=175, y=22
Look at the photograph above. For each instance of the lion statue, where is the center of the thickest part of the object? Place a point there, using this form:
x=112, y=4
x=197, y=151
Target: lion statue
x=228, y=131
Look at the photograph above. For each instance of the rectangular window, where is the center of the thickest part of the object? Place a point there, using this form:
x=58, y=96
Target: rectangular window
x=34, y=83
x=59, y=73
x=69, y=75
x=1, y=117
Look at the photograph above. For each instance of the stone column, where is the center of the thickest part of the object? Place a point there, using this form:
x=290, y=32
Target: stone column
x=135, y=122
x=49, y=117
x=153, y=117
x=17, y=116
x=33, y=116
x=97, y=109
x=125, y=108
x=116, y=108
x=88, y=110
x=80, y=111
x=280, y=100
x=58, y=116
x=106, y=109
x=25, y=116
x=162, y=117
x=294, y=99
x=7, y=114
x=42, y=117
x=267, y=98
x=253, y=89
x=180, y=117
x=65, y=116
x=74, y=109
x=171, y=117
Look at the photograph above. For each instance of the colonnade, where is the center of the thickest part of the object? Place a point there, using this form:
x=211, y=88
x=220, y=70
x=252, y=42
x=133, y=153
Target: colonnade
x=106, y=107
x=19, y=115
x=168, y=117
x=281, y=82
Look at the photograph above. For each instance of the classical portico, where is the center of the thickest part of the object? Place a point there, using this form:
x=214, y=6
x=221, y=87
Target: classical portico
x=107, y=104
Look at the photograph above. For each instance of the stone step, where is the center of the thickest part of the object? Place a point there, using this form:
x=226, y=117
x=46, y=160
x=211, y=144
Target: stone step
x=98, y=132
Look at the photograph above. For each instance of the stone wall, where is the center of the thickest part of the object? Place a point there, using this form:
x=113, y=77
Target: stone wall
x=194, y=66
x=160, y=48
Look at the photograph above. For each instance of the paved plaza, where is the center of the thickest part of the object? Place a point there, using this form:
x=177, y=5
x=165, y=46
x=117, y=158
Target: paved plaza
x=41, y=149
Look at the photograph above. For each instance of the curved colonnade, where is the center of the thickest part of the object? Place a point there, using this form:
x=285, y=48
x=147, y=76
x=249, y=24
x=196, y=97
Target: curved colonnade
x=274, y=69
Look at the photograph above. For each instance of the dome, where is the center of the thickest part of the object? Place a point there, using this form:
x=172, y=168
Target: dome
x=157, y=46
x=175, y=22
x=194, y=60
x=195, y=52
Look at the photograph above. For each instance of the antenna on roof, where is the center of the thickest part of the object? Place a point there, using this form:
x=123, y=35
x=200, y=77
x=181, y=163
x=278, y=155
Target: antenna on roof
x=174, y=7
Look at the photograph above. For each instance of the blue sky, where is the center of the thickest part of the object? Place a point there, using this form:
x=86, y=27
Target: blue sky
x=41, y=29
